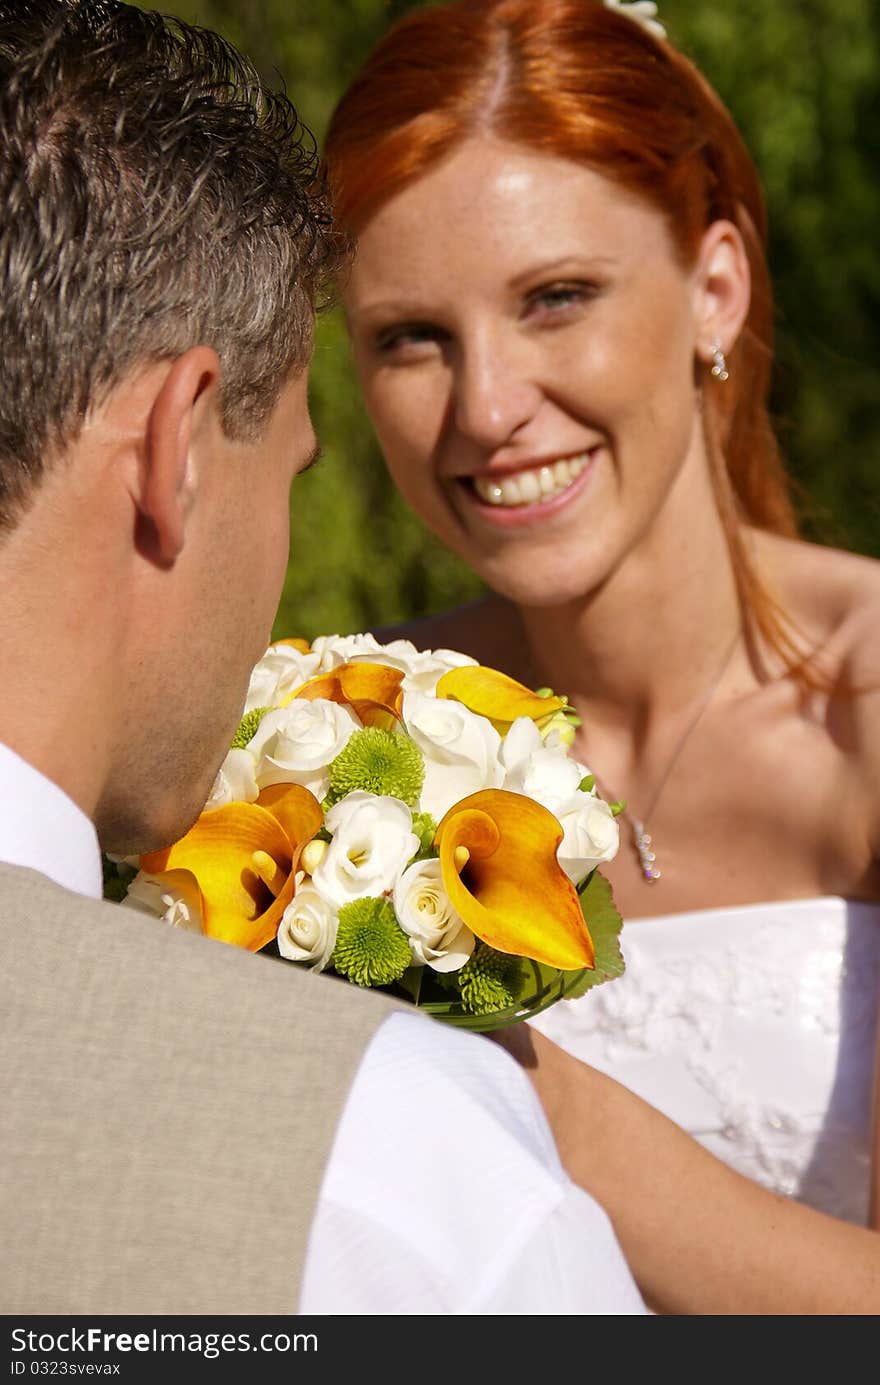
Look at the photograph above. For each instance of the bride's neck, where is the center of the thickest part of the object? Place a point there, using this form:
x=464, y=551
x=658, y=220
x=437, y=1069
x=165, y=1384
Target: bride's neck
x=639, y=645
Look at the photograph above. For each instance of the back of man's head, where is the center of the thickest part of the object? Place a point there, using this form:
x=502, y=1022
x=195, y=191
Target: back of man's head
x=155, y=196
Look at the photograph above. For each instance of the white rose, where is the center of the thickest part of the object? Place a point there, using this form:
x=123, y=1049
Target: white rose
x=296, y=743
x=307, y=932
x=539, y=771
x=591, y=835
x=236, y=780
x=372, y=841
x=461, y=750
x=281, y=671
x=439, y=936
x=421, y=668
x=180, y=905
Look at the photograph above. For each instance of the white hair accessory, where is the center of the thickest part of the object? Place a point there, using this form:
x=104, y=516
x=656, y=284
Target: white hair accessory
x=641, y=12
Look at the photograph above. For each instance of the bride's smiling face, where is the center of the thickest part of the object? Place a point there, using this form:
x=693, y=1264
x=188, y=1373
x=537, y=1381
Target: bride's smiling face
x=525, y=338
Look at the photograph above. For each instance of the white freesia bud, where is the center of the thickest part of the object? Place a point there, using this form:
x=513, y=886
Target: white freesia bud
x=296, y=743
x=236, y=780
x=181, y=905
x=307, y=932
x=280, y=672
x=372, y=842
x=559, y=733
x=461, y=750
x=439, y=936
x=591, y=835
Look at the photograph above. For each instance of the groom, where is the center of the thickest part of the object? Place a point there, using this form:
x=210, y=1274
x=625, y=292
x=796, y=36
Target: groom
x=189, y=1129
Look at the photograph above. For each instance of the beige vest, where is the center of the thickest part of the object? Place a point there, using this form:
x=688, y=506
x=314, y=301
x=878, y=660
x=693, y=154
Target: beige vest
x=169, y=1105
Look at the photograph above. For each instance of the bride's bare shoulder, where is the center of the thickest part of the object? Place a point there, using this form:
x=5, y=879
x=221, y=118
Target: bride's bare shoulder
x=833, y=598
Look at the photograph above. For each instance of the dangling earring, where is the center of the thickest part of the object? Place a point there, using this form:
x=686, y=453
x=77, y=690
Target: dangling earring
x=719, y=362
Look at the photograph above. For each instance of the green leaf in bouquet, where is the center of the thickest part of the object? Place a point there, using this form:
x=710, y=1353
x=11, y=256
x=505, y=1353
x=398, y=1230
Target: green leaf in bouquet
x=411, y=983
x=604, y=923
x=117, y=876
x=539, y=986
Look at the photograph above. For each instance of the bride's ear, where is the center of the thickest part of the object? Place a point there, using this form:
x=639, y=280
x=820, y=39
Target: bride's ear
x=722, y=286
x=180, y=424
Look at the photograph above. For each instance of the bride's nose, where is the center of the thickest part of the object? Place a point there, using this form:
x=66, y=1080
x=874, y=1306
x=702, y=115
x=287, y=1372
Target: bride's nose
x=494, y=393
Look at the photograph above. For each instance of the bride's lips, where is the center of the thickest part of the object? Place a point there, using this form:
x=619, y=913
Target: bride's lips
x=529, y=494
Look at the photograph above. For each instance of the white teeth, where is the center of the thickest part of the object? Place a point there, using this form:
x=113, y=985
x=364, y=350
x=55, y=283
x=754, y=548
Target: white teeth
x=529, y=487
x=526, y=487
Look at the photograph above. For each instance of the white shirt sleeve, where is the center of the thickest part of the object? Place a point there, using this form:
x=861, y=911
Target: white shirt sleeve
x=444, y=1193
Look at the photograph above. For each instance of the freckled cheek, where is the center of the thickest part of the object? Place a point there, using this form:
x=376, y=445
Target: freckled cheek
x=408, y=425
x=591, y=370
x=628, y=380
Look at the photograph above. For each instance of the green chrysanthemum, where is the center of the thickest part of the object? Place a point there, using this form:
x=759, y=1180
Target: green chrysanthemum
x=247, y=727
x=490, y=980
x=378, y=762
x=425, y=828
x=371, y=947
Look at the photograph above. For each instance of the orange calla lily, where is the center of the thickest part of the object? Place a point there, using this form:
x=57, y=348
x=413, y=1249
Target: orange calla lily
x=243, y=858
x=493, y=695
x=498, y=860
x=373, y=691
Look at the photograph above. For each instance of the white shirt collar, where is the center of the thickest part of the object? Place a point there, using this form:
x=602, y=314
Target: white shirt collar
x=40, y=827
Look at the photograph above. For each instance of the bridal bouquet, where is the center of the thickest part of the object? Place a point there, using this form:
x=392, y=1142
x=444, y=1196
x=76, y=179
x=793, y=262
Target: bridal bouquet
x=409, y=820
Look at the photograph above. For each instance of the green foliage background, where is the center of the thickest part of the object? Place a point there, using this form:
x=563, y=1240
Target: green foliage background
x=802, y=79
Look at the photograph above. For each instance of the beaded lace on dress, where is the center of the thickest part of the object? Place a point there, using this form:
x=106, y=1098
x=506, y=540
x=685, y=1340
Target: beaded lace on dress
x=753, y=1028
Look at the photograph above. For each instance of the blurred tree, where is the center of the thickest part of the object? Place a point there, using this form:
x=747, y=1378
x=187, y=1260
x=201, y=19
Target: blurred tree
x=802, y=79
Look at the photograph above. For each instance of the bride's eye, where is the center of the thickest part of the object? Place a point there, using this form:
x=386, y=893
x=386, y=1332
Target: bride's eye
x=407, y=341
x=559, y=300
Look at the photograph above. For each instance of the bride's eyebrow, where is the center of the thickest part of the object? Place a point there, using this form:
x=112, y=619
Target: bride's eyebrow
x=570, y=265
x=388, y=310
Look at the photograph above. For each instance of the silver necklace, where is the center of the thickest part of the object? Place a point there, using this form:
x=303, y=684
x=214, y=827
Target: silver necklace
x=642, y=839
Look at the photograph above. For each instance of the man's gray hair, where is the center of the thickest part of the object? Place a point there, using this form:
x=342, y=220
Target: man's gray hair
x=155, y=196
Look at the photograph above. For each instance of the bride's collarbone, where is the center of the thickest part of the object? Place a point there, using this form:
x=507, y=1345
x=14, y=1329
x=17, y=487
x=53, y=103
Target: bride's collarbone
x=737, y=828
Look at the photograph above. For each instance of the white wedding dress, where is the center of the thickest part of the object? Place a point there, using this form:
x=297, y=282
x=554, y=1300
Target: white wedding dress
x=754, y=1029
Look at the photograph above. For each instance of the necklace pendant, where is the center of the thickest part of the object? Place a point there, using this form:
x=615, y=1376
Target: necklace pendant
x=647, y=857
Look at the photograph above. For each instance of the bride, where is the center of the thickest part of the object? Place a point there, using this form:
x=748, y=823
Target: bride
x=561, y=320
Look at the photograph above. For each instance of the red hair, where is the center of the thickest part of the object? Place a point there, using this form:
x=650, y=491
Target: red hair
x=589, y=84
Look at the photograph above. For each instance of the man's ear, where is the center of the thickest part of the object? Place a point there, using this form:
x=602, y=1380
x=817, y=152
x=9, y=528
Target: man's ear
x=182, y=414
x=723, y=288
